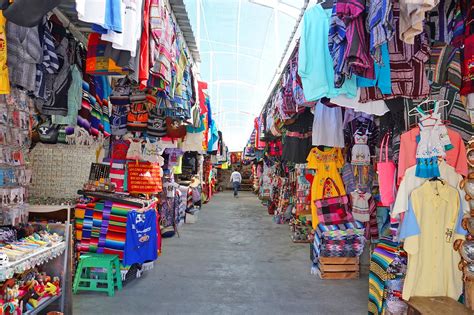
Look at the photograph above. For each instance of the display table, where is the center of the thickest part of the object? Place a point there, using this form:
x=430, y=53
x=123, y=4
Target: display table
x=436, y=305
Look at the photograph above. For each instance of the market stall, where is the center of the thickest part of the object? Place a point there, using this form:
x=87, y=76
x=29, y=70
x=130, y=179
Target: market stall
x=107, y=145
x=361, y=145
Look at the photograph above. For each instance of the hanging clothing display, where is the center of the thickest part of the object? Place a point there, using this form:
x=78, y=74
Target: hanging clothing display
x=326, y=165
x=317, y=74
x=326, y=121
x=455, y=157
x=297, y=141
x=410, y=182
x=434, y=215
x=406, y=62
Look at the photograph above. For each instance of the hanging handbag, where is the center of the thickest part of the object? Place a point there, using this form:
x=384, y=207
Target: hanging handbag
x=386, y=175
x=48, y=133
x=333, y=210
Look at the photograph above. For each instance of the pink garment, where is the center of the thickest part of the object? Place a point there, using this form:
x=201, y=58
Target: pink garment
x=259, y=144
x=455, y=157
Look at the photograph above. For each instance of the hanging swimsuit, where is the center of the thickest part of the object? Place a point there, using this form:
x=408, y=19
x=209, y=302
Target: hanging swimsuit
x=360, y=150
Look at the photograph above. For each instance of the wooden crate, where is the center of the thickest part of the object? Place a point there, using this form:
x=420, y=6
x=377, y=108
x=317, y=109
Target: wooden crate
x=339, y=267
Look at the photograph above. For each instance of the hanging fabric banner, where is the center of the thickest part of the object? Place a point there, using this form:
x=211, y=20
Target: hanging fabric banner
x=144, y=178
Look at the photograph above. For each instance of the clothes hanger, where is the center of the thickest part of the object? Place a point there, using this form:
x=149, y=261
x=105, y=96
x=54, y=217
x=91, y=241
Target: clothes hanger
x=414, y=111
x=434, y=179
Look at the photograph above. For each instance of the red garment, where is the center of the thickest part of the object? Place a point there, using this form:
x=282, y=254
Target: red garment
x=275, y=148
x=259, y=144
x=468, y=66
x=456, y=157
x=144, y=68
x=202, y=98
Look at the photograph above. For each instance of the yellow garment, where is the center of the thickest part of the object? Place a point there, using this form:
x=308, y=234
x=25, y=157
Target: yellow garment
x=327, y=165
x=4, y=80
x=178, y=169
x=432, y=261
x=181, y=67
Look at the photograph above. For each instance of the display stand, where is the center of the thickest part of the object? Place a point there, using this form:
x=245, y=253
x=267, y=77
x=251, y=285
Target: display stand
x=130, y=201
x=64, y=263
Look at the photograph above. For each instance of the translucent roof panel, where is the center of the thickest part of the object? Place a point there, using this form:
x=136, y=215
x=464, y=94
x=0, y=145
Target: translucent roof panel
x=241, y=43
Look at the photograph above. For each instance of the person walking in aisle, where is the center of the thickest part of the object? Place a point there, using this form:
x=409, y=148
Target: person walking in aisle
x=236, y=179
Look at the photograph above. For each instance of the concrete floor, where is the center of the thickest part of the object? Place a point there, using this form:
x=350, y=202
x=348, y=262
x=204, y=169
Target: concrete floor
x=234, y=260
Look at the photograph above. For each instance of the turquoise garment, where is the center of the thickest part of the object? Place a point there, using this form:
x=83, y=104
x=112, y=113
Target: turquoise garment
x=201, y=128
x=382, y=74
x=74, y=100
x=315, y=65
x=213, y=137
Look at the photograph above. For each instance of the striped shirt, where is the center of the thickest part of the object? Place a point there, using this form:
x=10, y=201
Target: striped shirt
x=379, y=24
x=406, y=63
x=50, y=64
x=446, y=23
x=347, y=41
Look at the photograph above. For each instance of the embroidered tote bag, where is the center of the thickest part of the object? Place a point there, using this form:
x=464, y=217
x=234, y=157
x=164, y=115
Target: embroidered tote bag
x=333, y=210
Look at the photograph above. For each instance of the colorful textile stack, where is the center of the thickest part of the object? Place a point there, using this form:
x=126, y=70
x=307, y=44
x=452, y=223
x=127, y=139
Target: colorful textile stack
x=101, y=227
x=386, y=265
x=341, y=240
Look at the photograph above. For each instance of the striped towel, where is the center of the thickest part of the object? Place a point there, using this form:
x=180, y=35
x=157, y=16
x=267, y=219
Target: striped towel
x=383, y=255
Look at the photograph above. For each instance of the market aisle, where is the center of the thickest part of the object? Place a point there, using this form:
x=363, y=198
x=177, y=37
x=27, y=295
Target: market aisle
x=234, y=260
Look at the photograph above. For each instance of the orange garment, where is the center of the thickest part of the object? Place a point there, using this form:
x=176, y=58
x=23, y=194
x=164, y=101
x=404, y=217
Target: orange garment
x=455, y=157
x=327, y=165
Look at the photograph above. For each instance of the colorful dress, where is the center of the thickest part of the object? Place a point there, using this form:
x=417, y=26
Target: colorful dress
x=327, y=165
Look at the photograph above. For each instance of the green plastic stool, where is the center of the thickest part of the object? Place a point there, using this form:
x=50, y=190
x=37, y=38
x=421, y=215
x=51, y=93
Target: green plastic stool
x=83, y=280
